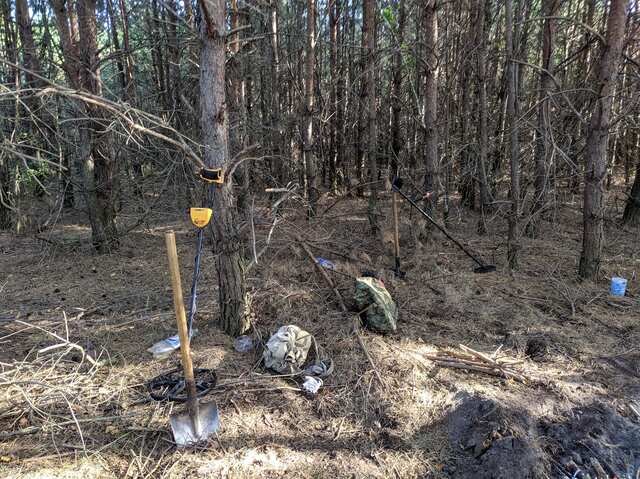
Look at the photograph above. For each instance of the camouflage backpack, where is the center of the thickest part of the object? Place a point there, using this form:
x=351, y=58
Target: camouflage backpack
x=287, y=351
x=380, y=311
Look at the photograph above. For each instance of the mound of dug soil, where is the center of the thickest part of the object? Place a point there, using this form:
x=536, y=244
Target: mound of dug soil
x=494, y=441
x=497, y=441
x=594, y=441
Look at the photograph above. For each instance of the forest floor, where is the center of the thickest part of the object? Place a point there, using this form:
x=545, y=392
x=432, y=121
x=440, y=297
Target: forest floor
x=63, y=415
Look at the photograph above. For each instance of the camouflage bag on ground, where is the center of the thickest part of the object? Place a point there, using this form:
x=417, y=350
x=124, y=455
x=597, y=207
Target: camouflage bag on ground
x=380, y=311
x=287, y=350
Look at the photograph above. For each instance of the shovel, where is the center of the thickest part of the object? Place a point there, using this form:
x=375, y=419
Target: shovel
x=200, y=420
x=396, y=238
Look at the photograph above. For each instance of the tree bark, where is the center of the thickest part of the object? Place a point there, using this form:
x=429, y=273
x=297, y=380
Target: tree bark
x=233, y=297
x=334, y=26
x=99, y=167
x=631, y=215
x=513, y=245
x=29, y=52
x=308, y=156
x=10, y=76
x=116, y=45
x=396, y=91
x=467, y=186
x=369, y=78
x=596, y=149
x=78, y=36
x=543, y=147
x=430, y=95
x=483, y=128
x=130, y=86
x=66, y=23
x=173, y=59
x=277, y=141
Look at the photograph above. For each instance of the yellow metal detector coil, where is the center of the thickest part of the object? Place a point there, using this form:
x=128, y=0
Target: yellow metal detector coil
x=200, y=216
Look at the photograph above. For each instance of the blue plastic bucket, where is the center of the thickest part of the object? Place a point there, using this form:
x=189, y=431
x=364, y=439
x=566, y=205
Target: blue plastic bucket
x=618, y=286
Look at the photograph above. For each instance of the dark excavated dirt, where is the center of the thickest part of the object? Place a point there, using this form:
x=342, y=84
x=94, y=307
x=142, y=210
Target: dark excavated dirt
x=594, y=433
x=494, y=441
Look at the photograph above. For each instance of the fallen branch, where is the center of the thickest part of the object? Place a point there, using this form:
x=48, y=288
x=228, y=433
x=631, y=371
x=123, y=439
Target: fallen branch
x=343, y=307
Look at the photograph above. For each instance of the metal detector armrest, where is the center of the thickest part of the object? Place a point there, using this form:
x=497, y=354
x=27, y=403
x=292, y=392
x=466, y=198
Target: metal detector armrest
x=212, y=175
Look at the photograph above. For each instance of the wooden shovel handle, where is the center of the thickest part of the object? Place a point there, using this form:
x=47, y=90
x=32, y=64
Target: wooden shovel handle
x=181, y=317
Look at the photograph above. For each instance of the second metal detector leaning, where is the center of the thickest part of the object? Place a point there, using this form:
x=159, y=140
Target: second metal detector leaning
x=482, y=266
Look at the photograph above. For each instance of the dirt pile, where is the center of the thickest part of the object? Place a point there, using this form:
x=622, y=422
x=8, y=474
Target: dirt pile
x=494, y=441
x=593, y=441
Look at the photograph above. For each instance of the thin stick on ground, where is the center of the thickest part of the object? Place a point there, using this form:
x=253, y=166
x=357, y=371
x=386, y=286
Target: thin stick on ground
x=343, y=307
x=472, y=360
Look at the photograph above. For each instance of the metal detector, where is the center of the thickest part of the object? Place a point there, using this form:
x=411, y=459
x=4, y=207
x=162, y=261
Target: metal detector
x=482, y=266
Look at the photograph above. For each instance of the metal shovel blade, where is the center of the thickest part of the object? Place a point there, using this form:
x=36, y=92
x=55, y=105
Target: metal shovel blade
x=188, y=430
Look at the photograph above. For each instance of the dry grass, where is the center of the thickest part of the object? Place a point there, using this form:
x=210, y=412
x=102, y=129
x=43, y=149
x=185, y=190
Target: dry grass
x=62, y=415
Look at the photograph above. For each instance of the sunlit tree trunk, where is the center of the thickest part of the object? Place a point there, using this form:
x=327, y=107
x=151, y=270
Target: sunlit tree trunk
x=597, y=136
x=233, y=297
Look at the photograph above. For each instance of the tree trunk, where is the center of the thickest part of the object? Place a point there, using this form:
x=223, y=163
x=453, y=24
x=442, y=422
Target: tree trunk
x=277, y=139
x=483, y=132
x=67, y=30
x=29, y=53
x=99, y=167
x=596, y=149
x=396, y=91
x=308, y=156
x=334, y=25
x=130, y=86
x=430, y=95
x=96, y=162
x=157, y=56
x=173, y=59
x=543, y=147
x=467, y=186
x=116, y=46
x=10, y=76
x=513, y=245
x=631, y=215
x=369, y=87
x=233, y=298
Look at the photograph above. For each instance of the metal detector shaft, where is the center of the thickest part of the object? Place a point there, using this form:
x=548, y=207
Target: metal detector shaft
x=434, y=223
x=194, y=284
